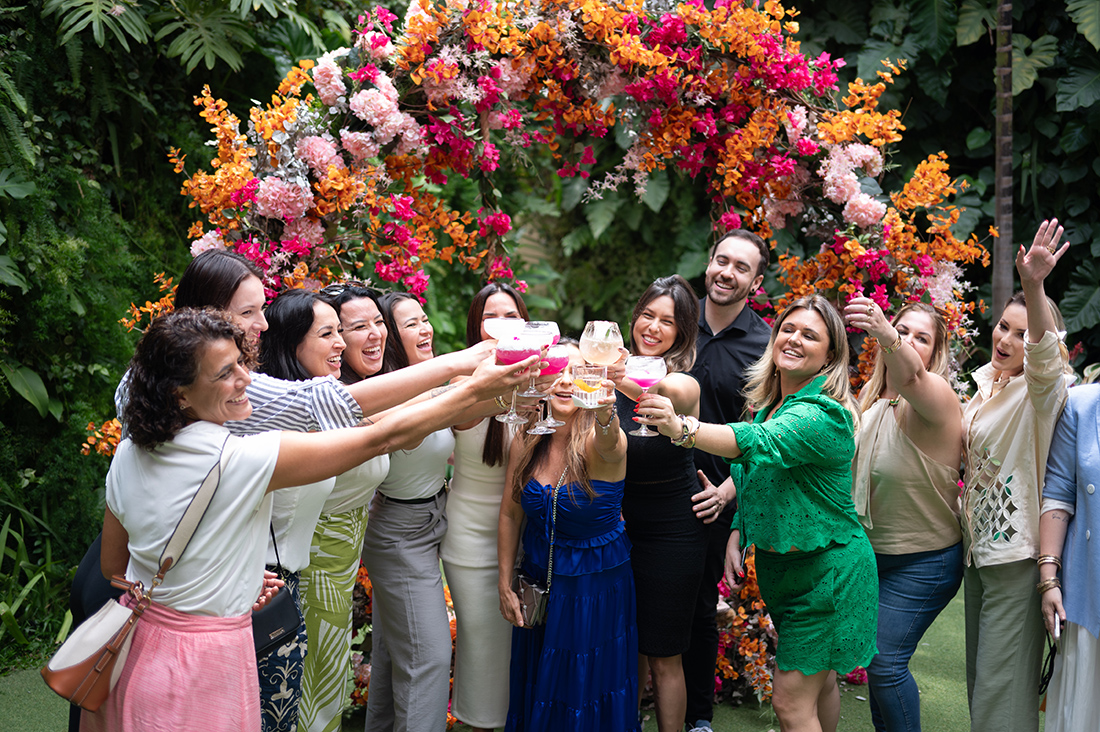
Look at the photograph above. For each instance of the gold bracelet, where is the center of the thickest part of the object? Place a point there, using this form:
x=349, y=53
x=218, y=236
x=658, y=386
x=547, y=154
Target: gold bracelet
x=893, y=346
x=1048, y=584
x=502, y=404
x=689, y=428
x=1049, y=559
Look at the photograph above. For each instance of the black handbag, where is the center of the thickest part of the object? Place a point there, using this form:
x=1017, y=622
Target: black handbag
x=277, y=622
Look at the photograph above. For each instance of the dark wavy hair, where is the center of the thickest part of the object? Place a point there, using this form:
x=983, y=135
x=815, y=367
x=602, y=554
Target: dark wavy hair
x=167, y=358
x=685, y=308
x=492, y=453
x=212, y=279
x=394, y=357
x=289, y=318
x=477, y=308
x=337, y=295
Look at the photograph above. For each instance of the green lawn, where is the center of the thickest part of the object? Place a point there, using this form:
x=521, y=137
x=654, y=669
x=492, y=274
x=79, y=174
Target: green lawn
x=26, y=705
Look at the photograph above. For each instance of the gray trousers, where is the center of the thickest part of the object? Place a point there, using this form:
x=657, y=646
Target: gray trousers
x=1004, y=646
x=411, y=635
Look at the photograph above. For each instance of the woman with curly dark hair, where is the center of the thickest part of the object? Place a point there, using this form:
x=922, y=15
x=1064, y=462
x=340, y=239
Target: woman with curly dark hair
x=192, y=662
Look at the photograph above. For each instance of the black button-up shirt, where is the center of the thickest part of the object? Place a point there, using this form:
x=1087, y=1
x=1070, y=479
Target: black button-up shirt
x=720, y=363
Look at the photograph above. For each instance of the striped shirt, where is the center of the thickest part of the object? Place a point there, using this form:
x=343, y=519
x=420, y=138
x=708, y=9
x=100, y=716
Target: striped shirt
x=322, y=403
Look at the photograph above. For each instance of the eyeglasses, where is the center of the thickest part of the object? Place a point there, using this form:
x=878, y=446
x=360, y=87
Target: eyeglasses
x=339, y=288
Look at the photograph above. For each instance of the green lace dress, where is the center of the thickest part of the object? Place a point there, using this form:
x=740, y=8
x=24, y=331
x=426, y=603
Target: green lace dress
x=814, y=564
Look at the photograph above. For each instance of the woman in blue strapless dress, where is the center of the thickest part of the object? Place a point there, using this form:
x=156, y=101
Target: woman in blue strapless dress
x=578, y=670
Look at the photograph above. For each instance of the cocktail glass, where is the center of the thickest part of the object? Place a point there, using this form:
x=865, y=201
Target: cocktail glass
x=601, y=342
x=503, y=329
x=510, y=352
x=547, y=334
x=557, y=358
x=645, y=371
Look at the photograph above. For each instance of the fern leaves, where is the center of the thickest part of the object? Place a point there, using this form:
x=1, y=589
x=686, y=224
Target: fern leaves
x=123, y=21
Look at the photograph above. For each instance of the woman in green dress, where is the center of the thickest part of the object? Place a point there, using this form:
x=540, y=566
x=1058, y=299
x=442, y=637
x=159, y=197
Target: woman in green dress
x=792, y=468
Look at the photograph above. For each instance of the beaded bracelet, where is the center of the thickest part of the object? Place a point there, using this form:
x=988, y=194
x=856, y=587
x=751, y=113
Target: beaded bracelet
x=605, y=427
x=689, y=428
x=893, y=346
x=1048, y=584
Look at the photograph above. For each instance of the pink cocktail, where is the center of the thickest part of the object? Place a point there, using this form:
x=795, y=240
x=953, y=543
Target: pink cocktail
x=557, y=358
x=510, y=353
x=645, y=381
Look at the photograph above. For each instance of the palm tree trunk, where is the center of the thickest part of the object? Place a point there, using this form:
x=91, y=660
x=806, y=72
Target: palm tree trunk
x=1004, y=251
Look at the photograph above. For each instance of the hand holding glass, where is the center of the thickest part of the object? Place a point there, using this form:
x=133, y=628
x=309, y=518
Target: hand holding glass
x=645, y=371
x=510, y=352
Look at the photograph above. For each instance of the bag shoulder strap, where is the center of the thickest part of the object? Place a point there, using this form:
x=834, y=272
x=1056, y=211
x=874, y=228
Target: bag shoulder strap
x=189, y=522
x=553, y=528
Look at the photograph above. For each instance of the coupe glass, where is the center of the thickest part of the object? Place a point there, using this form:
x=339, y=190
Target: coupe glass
x=546, y=334
x=601, y=342
x=557, y=358
x=503, y=329
x=645, y=371
x=510, y=352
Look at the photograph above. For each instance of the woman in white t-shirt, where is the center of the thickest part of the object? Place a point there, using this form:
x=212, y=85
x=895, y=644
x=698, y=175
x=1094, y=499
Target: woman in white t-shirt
x=192, y=663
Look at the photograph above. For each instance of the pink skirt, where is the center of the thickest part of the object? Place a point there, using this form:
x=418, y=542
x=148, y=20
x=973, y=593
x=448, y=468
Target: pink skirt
x=184, y=672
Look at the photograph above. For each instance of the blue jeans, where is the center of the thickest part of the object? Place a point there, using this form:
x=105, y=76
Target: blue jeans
x=913, y=590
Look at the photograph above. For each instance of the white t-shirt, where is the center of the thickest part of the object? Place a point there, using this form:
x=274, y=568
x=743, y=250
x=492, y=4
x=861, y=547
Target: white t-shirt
x=221, y=571
x=355, y=488
x=419, y=473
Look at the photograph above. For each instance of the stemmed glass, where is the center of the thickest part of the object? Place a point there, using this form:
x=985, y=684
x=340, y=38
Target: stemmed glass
x=503, y=329
x=645, y=371
x=557, y=358
x=547, y=334
x=510, y=352
x=601, y=342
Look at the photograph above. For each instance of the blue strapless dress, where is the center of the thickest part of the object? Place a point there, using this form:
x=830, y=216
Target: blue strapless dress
x=579, y=670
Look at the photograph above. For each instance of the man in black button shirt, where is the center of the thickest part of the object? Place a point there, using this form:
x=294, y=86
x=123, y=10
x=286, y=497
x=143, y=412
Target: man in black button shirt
x=731, y=338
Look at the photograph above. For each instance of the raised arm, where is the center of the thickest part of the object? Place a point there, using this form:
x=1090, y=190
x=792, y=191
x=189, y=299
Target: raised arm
x=1034, y=265
x=381, y=392
x=606, y=443
x=717, y=439
x=308, y=458
x=931, y=397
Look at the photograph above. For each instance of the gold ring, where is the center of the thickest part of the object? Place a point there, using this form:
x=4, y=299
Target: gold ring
x=1050, y=248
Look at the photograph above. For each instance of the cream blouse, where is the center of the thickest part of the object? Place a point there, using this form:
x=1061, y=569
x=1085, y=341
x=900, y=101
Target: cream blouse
x=1008, y=427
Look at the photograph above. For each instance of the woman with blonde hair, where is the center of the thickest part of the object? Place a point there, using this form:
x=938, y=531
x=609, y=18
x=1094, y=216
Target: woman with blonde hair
x=906, y=491
x=792, y=467
x=577, y=670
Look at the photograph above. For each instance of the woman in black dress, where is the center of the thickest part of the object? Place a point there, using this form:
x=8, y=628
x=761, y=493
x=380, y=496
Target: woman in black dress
x=669, y=545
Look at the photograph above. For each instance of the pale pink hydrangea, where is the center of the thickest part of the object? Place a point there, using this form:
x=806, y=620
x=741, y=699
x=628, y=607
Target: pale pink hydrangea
x=361, y=145
x=375, y=108
x=209, y=240
x=327, y=78
x=864, y=211
x=840, y=182
x=306, y=230
x=318, y=153
x=277, y=199
x=865, y=156
x=411, y=138
x=385, y=85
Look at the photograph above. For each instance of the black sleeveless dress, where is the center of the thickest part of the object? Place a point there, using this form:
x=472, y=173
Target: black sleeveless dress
x=669, y=543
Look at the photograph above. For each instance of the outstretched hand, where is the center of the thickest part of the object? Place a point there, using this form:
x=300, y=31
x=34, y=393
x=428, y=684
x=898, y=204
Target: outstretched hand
x=1035, y=263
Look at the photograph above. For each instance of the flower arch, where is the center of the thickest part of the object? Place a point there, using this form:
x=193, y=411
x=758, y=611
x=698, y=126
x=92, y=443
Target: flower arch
x=340, y=171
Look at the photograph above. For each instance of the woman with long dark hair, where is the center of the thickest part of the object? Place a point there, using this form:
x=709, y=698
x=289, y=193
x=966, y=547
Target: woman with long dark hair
x=328, y=581
x=669, y=543
x=469, y=548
